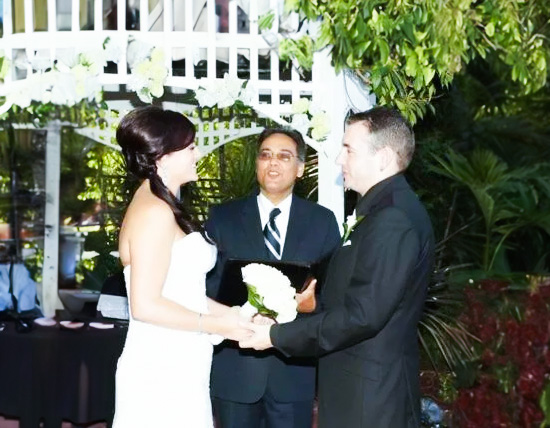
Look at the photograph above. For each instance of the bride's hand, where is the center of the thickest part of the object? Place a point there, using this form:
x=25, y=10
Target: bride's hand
x=262, y=320
x=233, y=325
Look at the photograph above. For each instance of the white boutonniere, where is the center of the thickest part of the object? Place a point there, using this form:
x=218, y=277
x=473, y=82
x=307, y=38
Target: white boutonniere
x=351, y=223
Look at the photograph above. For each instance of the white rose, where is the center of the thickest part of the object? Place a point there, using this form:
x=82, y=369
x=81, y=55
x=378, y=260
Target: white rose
x=205, y=98
x=22, y=98
x=287, y=313
x=113, y=51
x=232, y=85
x=137, y=82
x=40, y=63
x=225, y=99
x=137, y=52
x=301, y=106
x=145, y=95
x=64, y=91
x=278, y=298
x=321, y=125
x=301, y=123
x=248, y=94
x=67, y=58
x=351, y=219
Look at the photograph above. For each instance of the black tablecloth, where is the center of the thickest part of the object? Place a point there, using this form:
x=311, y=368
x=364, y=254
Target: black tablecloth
x=55, y=374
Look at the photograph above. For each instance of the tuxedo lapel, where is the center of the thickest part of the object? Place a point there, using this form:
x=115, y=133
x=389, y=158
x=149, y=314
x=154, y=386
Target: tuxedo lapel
x=296, y=229
x=252, y=225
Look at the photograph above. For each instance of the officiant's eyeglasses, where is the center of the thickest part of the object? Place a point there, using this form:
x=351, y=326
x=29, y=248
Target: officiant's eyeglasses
x=266, y=155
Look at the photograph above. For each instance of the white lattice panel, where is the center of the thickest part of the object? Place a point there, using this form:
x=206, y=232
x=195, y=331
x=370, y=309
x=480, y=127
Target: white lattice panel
x=195, y=39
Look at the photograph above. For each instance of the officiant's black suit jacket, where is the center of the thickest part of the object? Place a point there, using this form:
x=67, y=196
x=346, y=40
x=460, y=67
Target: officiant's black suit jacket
x=373, y=298
x=312, y=234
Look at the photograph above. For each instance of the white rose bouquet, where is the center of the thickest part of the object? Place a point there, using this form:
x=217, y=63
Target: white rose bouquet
x=270, y=293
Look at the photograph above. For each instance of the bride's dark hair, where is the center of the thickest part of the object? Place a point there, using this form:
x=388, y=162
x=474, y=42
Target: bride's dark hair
x=145, y=135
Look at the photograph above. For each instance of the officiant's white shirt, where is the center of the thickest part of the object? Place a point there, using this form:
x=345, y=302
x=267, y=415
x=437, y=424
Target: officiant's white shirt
x=266, y=206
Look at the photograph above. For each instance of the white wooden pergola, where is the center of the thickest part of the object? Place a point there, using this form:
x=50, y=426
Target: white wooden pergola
x=186, y=30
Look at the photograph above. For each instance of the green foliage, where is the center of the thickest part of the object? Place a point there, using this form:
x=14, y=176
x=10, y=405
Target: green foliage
x=407, y=50
x=480, y=111
x=257, y=301
x=96, y=270
x=265, y=22
x=82, y=114
x=301, y=49
x=227, y=173
x=443, y=338
x=34, y=262
x=509, y=199
x=106, y=172
x=4, y=67
x=545, y=405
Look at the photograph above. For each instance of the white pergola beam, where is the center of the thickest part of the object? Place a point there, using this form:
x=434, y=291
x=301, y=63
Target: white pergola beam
x=50, y=271
x=328, y=88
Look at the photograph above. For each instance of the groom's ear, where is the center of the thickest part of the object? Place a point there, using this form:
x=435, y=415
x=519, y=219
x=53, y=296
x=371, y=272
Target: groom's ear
x=386, y=158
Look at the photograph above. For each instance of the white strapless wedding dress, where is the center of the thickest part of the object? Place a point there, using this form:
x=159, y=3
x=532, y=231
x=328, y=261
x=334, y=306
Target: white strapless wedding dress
x=163, y=374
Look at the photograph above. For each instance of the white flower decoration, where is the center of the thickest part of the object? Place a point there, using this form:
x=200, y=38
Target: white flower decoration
x=247, y=95
x=149, y=71
x=309, y=119
x=206, y=98
x=113, y=51
x=270, y=292
x=224, y=93
x=320, y=124
x=301, y=123
x=351, y=223
x=301, y=106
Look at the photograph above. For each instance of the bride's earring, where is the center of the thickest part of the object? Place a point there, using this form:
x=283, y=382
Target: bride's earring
x=163, y=174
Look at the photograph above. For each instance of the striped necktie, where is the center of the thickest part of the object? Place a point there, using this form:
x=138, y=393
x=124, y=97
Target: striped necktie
x=272, y=235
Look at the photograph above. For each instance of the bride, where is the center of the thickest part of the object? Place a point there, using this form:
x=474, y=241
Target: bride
x=163, y=374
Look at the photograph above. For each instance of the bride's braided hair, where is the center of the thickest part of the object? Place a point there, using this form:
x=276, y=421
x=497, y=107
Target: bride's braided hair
x=145, y=135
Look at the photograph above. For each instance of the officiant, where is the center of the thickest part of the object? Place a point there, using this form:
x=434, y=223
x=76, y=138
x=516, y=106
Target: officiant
x=252, y=389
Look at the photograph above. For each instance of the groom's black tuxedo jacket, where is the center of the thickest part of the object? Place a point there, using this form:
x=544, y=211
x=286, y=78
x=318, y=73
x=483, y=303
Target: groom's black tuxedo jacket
x=312, y=234
x=373, y=298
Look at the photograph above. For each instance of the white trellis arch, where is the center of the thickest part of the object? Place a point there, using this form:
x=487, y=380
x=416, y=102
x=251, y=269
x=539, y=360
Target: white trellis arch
x=188, y=31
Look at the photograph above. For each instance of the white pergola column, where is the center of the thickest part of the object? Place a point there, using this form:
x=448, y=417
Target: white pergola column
x=329, y=95
x=50, y=271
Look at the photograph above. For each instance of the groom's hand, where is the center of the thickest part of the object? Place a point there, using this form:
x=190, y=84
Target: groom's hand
x=259, y=340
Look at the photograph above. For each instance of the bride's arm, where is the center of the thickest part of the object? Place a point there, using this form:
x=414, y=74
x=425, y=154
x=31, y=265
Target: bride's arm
x=216, y=308
x=150, y=247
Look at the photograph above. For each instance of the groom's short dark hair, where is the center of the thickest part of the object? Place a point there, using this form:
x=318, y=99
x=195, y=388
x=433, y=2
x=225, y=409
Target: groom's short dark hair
x=289, y=132
x=389, y=129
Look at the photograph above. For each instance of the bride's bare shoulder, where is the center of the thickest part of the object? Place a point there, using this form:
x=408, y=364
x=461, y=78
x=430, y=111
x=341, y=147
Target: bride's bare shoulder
x=146, y=213
x=145, y=207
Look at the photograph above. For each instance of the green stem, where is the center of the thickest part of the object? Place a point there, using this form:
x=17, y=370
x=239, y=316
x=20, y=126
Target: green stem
x=497, y=248
x=486, y=250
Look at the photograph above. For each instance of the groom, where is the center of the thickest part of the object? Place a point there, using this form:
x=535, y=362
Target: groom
x=256, y=389
x=375, y=288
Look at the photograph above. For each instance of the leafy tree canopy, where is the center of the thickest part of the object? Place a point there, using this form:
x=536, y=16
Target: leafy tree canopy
x=406, y=50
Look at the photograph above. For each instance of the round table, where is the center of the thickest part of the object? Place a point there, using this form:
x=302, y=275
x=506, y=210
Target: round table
x=53, y=374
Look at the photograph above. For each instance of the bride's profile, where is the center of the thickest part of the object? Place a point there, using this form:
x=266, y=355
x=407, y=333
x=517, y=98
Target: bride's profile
x=163, y=374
